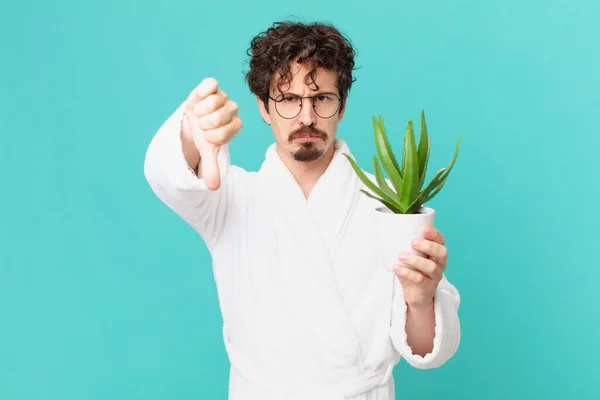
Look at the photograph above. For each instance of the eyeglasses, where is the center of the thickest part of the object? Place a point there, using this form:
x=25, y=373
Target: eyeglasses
x=289, y=105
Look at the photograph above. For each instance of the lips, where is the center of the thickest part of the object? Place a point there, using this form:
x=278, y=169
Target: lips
x=306, y=138
x=305, y=135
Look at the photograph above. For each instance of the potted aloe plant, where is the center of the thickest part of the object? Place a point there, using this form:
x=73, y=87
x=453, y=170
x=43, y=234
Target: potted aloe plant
x=402, y=214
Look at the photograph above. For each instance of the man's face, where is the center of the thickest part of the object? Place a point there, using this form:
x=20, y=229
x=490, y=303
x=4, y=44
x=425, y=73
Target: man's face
x=307, y=136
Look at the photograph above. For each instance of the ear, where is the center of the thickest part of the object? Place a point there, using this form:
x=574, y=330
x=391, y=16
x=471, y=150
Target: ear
x=342, y=110
x=263, y=111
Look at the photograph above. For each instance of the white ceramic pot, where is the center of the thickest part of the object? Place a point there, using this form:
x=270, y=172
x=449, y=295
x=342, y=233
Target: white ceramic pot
x=396, y=231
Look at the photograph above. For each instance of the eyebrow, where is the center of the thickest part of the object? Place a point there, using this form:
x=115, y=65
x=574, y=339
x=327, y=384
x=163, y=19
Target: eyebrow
x=316, y=94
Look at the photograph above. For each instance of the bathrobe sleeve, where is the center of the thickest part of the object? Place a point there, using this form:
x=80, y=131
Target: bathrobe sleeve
x=176, y=185
x=447, y=326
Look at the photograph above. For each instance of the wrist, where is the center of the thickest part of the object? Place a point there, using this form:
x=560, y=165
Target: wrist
x=421, y=308
x=190, y=152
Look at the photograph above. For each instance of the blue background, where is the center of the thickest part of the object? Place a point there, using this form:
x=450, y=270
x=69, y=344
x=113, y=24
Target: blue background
x=105, y=293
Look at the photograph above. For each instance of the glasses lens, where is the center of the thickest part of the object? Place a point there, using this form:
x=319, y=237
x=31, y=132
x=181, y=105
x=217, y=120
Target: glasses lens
x=326, y=105
x=288, y=105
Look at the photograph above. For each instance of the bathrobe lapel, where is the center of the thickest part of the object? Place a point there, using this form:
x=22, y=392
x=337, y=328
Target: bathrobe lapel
x=308, y=234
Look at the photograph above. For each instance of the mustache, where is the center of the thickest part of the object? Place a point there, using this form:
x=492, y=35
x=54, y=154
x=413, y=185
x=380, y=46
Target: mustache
x=307, y=131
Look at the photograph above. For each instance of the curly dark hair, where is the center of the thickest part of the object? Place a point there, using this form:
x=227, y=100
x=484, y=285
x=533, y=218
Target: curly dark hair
x=315, y=44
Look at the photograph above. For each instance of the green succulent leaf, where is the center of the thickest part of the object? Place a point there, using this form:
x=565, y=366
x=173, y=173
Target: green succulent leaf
x=363, y=177
x=435, y=185
x=420, y=200
x=383, y=185
x=423, y=151
x=395, y=209
x=439, y=187
x=388, y=160
x=410, y=184
x=446, y=173
x=401, y=192
x=403, y=163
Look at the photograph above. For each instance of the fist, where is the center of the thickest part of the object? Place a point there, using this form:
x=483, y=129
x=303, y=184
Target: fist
x=211, y=120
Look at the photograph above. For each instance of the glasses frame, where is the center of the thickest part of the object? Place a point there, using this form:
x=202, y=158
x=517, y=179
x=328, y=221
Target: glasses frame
x=340, y=101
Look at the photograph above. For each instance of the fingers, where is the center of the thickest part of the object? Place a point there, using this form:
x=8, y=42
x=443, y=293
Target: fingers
x=213, y=113
x=223, y=134
x=207, y=87
x=209, y=165
x=212, y=120
x=432, y=249
x=216, y=117
x=423, y=265
x=409, y=274
x=430, y=233
x=210, y=104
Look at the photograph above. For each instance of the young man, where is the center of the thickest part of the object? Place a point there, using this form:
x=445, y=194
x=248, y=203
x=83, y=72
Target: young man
x=309, y=312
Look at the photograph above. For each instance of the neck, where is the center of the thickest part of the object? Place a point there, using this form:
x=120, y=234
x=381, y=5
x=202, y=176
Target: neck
x=307, y=174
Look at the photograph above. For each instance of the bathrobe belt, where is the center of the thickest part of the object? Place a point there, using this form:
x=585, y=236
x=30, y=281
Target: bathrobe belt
x=358, y=385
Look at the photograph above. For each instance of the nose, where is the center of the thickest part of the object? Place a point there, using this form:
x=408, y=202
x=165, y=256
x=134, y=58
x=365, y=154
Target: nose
x=307, y=114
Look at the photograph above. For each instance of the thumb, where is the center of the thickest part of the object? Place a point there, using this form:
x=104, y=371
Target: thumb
x=209, y=165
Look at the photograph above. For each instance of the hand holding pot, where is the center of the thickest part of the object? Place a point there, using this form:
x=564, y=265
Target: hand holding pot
x=419, y=284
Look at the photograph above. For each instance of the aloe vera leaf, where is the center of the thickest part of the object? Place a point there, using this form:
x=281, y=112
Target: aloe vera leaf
x=437, y=189
x=389, y=205
x=395, y=163
x=363, y=177
x=389, y=146
x=410, y=184
x=423, y=173
x=423, y=151
x=390, y=165
x=381, y=179
x=436, y=183
x=446, y=173
x=403, y=167
x=421, y=199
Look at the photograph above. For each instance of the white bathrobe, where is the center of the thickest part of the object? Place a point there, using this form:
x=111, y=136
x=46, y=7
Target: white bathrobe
x=309, y=312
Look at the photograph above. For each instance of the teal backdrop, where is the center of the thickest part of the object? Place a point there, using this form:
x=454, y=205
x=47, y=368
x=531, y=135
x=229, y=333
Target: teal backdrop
x=106, y=294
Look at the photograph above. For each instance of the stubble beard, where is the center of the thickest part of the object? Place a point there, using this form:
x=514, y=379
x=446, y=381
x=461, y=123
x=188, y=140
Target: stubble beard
x=308, y=151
